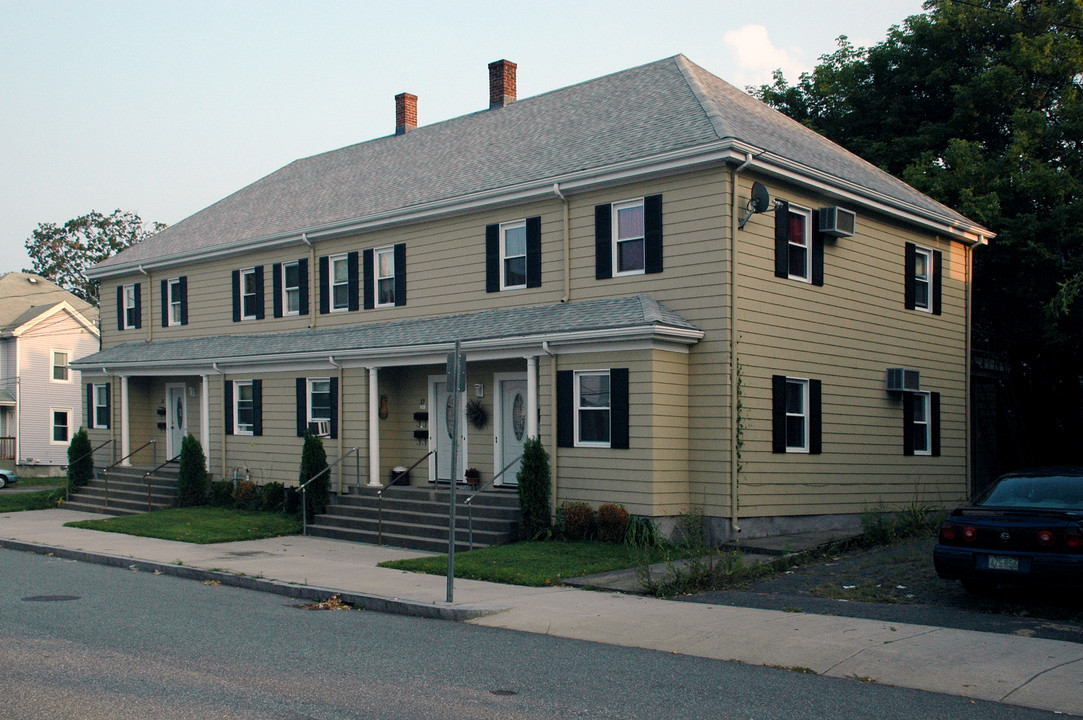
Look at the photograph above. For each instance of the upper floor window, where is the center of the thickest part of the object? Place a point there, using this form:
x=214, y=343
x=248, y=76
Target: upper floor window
x=923, y=282
x=290, y=281
x=628, y=237
x=248, y=294
x=175, y=302
x=513, y=255
x=129, y=312
x=340, y=282
x=61, y=372
x=796, y=424
x=385, y=276
x=799, y=247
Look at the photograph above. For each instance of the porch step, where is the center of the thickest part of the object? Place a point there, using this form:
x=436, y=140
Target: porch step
x=124, y=491
x=417, y=518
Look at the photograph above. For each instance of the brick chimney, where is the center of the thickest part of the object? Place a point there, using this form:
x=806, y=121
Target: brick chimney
x=501, y=83
x=405, y=113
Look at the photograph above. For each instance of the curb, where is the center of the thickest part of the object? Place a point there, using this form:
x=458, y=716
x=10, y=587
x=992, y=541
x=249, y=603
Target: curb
x=313, y=593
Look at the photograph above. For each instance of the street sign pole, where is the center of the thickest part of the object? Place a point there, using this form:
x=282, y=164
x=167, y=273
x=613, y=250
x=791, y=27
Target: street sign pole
x=456, y=384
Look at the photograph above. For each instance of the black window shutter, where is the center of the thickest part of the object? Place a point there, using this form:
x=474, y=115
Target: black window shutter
x=603, y=241
x=400, y=275
x=908, y=424
x=817, y=250
x=334, y=407
x=236, y=296
x=120, y=307
x=565, y=408
x=934, y=422
x=652, y=234
x=165, y=303
x=227, y=400
x=91, y=419
x=370, y=278
x=257, y=407
x=778, y=413
x=138, y=305
x=302, y=406
x=815, y=417
x=184, y=299
x=302, y=286
x=938, y=260
x=533, y=252
x=259, y=292
x=782, y=248
x=618, y=408
x=492, y=258
x=351, y=266
x=909, y=293
x=276, y=290
x=325, y=285
x=108, y=405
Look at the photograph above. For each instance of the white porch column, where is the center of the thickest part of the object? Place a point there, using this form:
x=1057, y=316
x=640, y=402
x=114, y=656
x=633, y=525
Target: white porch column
x=205, y=418
x=532, y=396
x=125, y=437
x=374, y=428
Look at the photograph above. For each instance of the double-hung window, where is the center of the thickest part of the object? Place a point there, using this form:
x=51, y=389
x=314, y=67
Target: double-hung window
x=340, y=283
x=291, y=288
x=176, y=300
x=923, y=283
x=249, y=294
x=628, y=238
x=319, y=399
x=799, y=243
x=317, y=406
x=384, y=259
x=592, y=408
x=513, y=255
x=244, y=407
x=796, y=415
x=61, y=372
x=98, y=406
x=921, y=423
x=289, y=283
x=61, y=425
x=128, y=305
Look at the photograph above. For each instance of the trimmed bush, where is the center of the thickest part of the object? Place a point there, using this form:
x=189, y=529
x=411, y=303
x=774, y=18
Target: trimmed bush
x=192, y=477
x=313, y=462
x=612, y=522
x=274, y=497
x=247, y=496
x=80, y=460
x=533, y=478
x=579, y=520
x=222, y=493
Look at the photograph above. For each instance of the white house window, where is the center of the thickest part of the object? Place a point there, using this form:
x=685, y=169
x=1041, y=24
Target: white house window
x=628, y=237
x=61, y=373
x=176, y=302
x=291, y=288
x=131, y=308
x=319, y=399
x=340, y=282
x=384, y=259
x=60, y=425
x=249, y=294
x=921, y=427
x=513, y=255
x=592, y=408
x=244, y=407
x=797, y=415
x=101, y=405
x=922, y=274
x=799, y=239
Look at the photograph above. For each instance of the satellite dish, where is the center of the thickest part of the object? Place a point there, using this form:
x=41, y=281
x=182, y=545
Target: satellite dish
x=759, y=202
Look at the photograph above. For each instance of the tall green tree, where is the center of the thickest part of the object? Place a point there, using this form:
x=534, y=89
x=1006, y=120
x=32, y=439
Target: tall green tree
x=979, y=104
x=62, y=253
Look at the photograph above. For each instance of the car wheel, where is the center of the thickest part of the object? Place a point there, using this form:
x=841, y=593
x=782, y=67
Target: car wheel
x=979, y=587
x=3, y=481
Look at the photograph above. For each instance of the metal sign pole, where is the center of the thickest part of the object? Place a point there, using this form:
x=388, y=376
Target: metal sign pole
x=456, y=384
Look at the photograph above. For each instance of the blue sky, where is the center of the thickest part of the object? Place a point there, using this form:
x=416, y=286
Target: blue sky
x=164, y=107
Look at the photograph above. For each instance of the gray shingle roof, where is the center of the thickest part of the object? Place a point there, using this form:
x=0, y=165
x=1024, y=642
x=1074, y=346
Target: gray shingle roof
x=24, y=296
x=665, y=106
x=638, y=312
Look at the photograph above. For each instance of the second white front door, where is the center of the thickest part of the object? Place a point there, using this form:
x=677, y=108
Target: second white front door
x=176, y=415
x=509, y=426
x=440, y=430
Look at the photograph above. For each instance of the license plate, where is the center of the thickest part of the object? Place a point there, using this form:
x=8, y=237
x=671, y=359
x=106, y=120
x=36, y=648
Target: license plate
x=1003, y=562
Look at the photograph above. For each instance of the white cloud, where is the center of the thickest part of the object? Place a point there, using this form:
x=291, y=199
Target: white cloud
x=757, y=58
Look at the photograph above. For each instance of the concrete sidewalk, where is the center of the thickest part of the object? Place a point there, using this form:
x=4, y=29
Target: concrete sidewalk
x=1036, y=673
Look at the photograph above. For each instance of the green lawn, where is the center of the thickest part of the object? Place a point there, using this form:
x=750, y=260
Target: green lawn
x=201, y=525
x=536, y=564
x=16, y=502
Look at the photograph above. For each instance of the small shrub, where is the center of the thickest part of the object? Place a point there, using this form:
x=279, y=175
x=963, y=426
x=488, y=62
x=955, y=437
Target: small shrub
x=80, y=460
x=313, y=463
x=642, y=532
x=579, y=520
x=222, y=493
x=192, y=475
x=274, y=497
x=533, y=479
x=612, y=522
x=247, y=496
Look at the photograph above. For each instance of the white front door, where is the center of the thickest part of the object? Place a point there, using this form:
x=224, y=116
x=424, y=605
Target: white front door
x=509, y=426
x=176, y=414
x=440, y=424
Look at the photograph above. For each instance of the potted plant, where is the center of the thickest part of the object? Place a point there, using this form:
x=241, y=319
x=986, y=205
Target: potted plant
x=473, y=476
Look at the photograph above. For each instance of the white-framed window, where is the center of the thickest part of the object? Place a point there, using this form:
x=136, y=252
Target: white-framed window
x=592, y=408
x=176, y=302
x=131, y=308
x=291, y=288
x=799, y=243
x=628, y=238
x=100, y=405
x=513, y=255
x=340, y=282
x=797, y=415
x=921, y=429
x=922, y=274
x=244, y=407
x=319, y=399
x=249, y=294
x=61, y=418
x=384, y=272
x=61, y=372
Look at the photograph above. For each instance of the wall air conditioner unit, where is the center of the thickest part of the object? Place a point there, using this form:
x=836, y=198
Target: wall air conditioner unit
x=320, y=428
x=837, y=222
x=901, y=380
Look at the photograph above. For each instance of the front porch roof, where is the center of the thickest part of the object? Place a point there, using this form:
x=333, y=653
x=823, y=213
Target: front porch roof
x=488, y=334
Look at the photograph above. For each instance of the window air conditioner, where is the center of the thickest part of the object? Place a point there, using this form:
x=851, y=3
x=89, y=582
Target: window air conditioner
x=837, y=222
x=900, y=380
x=320, y=428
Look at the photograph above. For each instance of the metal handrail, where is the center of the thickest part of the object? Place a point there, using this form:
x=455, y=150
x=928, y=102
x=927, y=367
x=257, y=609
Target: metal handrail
x=380, y=496
x=303, y=489
x=146, y=476
x=104, y=473
x=84, y=456
x=470, y=507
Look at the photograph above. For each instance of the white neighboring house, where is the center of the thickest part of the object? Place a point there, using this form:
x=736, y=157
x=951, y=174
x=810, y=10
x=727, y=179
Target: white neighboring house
x=43, y=328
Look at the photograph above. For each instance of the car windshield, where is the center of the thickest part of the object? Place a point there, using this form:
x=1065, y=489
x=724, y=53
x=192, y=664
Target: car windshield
x=1055, y=492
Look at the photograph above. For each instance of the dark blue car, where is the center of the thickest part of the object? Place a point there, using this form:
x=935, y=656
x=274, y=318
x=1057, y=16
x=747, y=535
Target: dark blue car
x=1026, y=528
